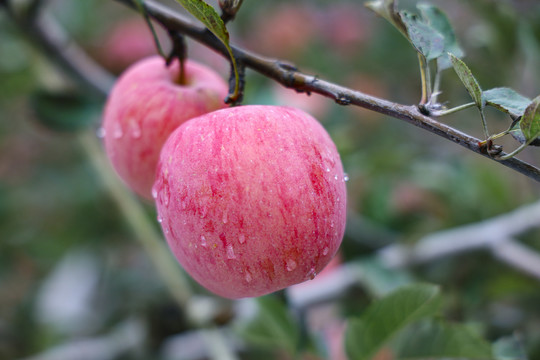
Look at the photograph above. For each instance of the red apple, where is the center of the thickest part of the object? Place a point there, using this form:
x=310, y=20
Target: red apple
x=144, y=107
x=251, y=199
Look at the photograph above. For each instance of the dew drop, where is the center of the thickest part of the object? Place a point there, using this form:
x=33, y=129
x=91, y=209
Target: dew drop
x=248, y=276
x=345, y=177
x=242, y=238
x=327, y=169
x=118, y=132
x=325, y=251
x=154, y=192
x=291, y=265
x=312, y=273
x=230, y=252
x=135, y=129
x=159, y=219
x=225, y=219
x=101, y=132
x=336, y=177
x=203, y=241
x=165, y=195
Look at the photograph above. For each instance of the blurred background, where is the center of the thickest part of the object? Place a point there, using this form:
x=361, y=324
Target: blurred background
x=76, y=284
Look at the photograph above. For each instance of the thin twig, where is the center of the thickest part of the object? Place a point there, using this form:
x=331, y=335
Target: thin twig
x=289, y=76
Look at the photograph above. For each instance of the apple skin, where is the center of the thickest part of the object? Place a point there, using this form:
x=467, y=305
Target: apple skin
x=251, y=199
x=145, y=106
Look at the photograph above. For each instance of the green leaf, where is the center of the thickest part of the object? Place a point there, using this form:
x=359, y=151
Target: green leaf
x=438, y=20
x=530, y=121
x=66, y=111
x=426, y=39
x=507, y=100
x=211, y=19
x=272, y=327
x=467, y=78
x=439, y=340
x=386, y=317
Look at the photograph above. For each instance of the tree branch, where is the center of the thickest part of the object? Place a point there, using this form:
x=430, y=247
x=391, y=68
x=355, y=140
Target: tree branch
x=51, y=39
x=495, y=234
x=289, y=76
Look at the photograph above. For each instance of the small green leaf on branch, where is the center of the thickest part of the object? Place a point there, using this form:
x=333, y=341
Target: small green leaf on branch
x=530, y=121
x=211, y=19
x=383, y=319
x=425, y=39
x=468, y=80
x=438, y=20
x=507, y=100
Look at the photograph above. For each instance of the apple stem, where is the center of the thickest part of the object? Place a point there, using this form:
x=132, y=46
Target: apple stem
x=178, y=51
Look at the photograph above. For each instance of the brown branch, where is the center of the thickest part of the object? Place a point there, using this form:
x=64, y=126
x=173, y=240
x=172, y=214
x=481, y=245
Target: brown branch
x=289, y=76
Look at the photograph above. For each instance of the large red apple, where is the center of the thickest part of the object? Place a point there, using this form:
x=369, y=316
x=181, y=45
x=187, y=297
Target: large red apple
x=251, y=199
x=144, y=107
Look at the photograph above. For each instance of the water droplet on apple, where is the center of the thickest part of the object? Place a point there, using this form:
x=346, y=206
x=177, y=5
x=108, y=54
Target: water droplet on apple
x=154, y=192
x=224, y=219
x=118, y=132
x=165, y=194
x=248, y=276
x=242, y=238
x=203, y=241
x=291, y=265
x=135, y=129
x=159, y=219
x=345, y=177
x=230, y=252
x=336, y=177
x=331, y=224
x=327, y=169
x=325, y=251
x=312, y=273
x=101, y=132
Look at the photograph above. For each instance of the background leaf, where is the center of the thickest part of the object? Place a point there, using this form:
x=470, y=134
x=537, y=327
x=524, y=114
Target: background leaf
x=66, y=111
x=438, y=20
x=272, y=327
x=509, y=348
x=439, y=340
x=386, y=317
x=507, y=100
